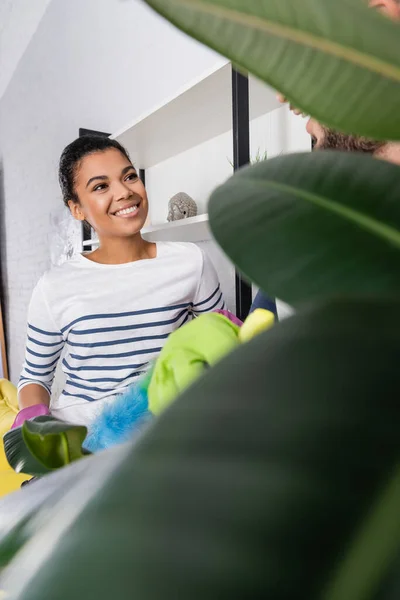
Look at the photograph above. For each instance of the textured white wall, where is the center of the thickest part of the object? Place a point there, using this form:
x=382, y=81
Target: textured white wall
x=19, y=20
x=94, y=64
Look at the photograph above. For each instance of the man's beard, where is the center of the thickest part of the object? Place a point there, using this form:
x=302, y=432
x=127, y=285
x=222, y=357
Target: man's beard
x=333, y=140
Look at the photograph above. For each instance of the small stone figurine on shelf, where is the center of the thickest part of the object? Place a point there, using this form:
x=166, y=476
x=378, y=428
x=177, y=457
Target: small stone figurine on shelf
x=181, y=206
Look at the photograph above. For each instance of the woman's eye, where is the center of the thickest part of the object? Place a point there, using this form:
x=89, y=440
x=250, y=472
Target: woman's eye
x=131, y=177
x=100, y=187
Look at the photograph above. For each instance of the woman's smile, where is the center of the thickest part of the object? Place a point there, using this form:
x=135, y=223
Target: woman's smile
x=128, y=211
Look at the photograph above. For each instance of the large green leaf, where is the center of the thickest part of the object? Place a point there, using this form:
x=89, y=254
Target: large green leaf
x=43, y=444
x=336, y=60
x=22, y=513
x=313, y=225
x=267, y=479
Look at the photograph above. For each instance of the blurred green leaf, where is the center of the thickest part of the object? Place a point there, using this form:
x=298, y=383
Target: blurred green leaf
x=18, y=455
x=22, y=514
x=313, y=225
x=259, y=482
x=43, y=444
x=336, y=60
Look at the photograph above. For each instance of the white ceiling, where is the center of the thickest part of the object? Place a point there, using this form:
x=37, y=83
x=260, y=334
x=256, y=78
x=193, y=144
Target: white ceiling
x=19, y=20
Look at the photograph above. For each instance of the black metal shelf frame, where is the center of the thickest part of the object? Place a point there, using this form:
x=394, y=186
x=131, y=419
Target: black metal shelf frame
x=241, y=157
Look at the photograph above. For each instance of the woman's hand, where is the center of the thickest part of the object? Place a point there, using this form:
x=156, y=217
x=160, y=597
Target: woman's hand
x=34, y=401
x=37, y=410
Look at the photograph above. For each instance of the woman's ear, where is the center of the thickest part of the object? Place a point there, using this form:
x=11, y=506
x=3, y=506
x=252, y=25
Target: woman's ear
x=76, y=210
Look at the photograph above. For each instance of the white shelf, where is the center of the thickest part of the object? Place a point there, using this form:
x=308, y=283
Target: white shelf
x=92, y=242
x=200, y=112
x=193, y=229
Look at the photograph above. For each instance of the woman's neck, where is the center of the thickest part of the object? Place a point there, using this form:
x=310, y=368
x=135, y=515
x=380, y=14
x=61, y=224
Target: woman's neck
x=123, y=250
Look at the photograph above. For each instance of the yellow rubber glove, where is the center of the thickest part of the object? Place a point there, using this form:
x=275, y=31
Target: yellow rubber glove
x=258, y=321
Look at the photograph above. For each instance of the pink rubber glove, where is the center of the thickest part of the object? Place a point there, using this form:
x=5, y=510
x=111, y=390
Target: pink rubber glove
x=230, y=316
x=37, y=410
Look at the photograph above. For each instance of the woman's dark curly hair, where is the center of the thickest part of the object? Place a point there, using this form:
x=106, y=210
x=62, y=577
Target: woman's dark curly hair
x=72, y=157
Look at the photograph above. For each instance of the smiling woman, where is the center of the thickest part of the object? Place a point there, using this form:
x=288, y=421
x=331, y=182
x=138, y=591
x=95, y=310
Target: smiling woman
x=100, y=185
x=107, y=314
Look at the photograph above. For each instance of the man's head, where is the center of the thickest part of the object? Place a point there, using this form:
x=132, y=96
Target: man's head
x=325, y=138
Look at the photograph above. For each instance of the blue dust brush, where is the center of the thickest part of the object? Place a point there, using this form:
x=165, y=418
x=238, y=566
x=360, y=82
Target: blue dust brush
x=119, y=420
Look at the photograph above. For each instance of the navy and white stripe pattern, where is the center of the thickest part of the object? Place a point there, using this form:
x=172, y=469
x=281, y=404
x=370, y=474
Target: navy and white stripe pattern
x=107, y=352
x=43, y=351
x=104, y=352
x=214, y=302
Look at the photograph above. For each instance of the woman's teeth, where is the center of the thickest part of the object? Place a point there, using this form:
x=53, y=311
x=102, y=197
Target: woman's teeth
x=127, y=211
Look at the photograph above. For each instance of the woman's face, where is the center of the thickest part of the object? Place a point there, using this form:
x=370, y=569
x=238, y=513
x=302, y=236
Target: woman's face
x=112, y=198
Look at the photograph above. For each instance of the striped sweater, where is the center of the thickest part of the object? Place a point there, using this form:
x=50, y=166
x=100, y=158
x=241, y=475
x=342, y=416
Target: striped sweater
x=106, y=322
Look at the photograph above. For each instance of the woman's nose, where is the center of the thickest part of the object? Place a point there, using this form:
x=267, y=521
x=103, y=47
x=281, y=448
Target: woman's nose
x=121, y=191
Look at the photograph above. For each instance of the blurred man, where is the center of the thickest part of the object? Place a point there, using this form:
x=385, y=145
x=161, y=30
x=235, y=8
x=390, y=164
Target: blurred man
x=324, y=138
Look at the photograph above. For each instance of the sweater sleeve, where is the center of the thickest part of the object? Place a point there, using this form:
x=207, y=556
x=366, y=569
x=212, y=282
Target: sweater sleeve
x=44, y=343
x=209, y=296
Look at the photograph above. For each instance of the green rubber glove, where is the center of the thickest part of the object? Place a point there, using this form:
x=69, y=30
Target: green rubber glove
x=188, y=352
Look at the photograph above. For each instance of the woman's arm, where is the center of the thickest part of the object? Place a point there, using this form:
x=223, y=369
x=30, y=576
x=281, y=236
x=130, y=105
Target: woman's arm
x=33, y=394
x=208, y=297
x=44, y=345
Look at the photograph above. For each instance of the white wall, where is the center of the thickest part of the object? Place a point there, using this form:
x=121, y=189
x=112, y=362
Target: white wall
x=196, y=172
x=278, y=132
x=94, y=64
x=199, y=170
x=19, y=20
